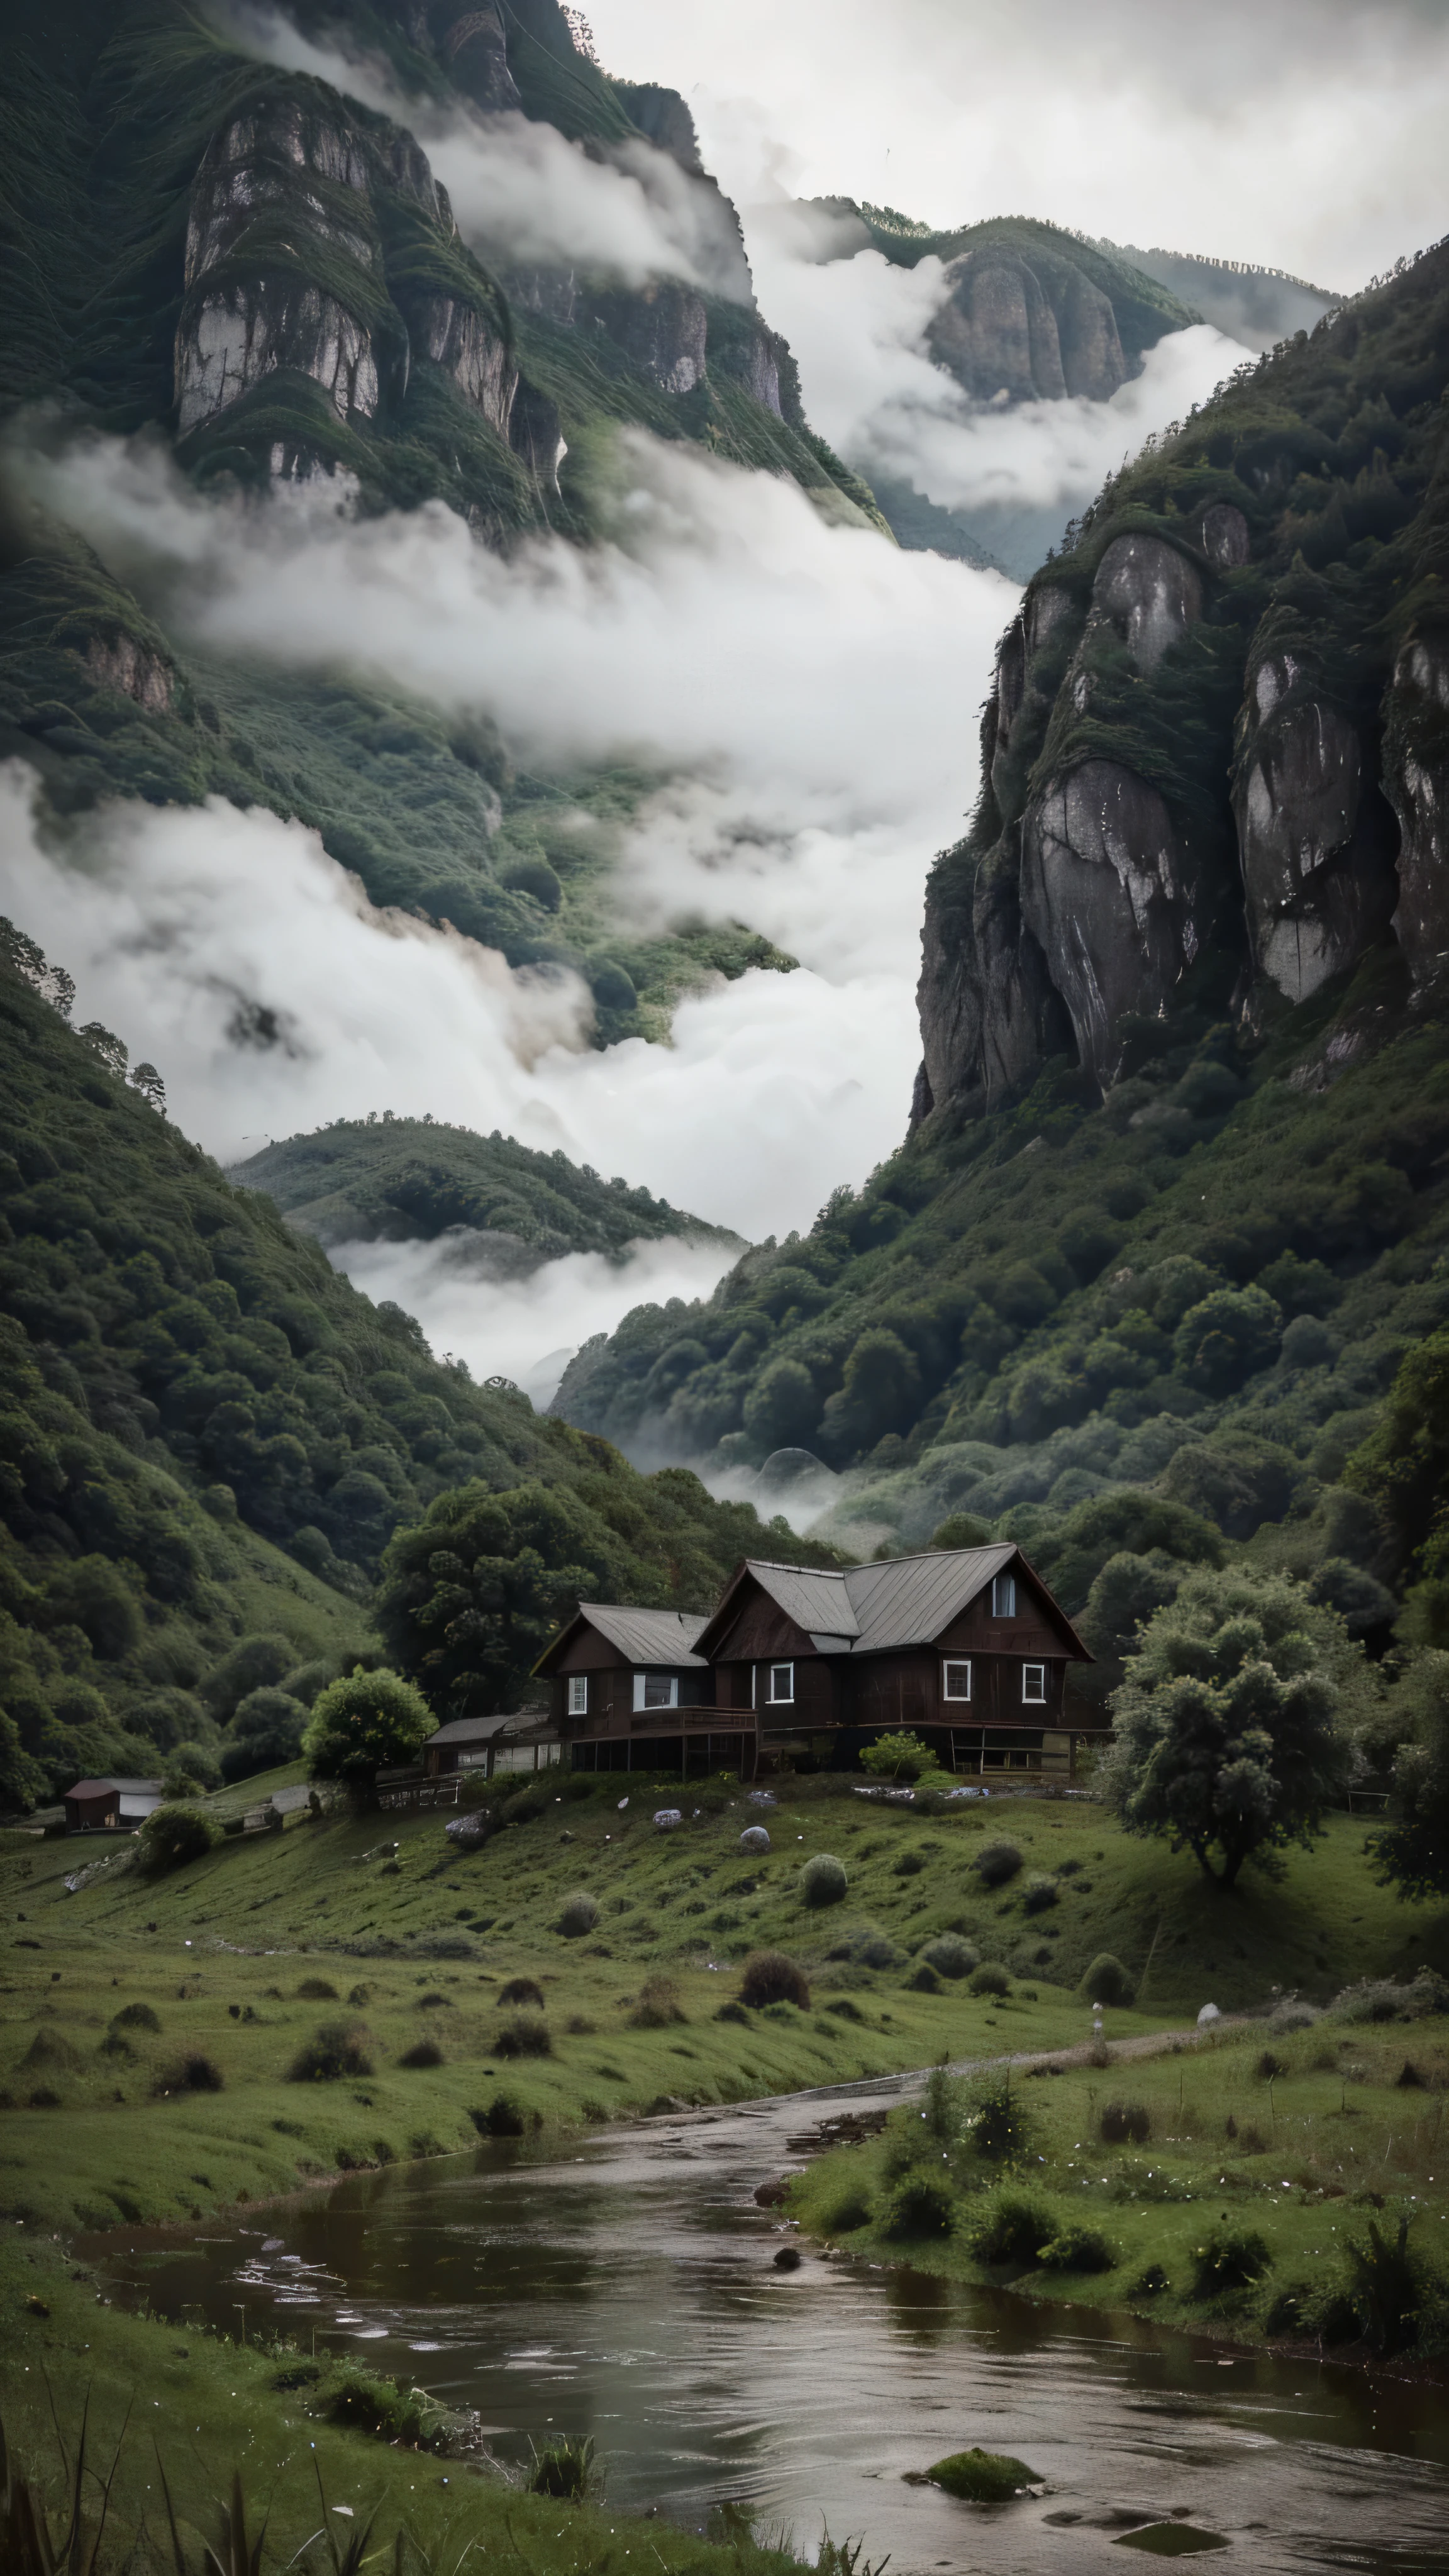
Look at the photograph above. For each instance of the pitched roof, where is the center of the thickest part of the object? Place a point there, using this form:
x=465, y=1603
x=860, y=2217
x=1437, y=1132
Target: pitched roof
x=871, y=1609
x=639, y=1636
x=105, y=1788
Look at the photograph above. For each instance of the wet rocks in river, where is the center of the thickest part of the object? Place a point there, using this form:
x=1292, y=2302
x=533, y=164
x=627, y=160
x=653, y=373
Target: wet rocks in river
x=788, y=2259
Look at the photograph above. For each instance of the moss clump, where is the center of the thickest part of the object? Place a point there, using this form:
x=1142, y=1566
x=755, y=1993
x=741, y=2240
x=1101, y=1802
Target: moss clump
x=337, y=2050
x=982, y=2477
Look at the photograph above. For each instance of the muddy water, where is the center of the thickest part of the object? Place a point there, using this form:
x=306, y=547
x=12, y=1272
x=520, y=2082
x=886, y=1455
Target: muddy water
x=628, y=2290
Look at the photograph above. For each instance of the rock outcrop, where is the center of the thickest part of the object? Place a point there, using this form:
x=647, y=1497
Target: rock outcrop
x=1416, y=782
x=662, y=329
x=1150, y=592
x=473, y=46
x=1014, y=330
x=1111, y=898
x=1315, y=837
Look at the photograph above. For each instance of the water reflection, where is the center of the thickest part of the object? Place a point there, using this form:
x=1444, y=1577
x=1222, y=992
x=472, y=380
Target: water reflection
x=628, y=2290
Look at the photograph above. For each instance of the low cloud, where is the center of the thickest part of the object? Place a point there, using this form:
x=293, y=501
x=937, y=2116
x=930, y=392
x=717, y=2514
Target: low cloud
x=522, y=194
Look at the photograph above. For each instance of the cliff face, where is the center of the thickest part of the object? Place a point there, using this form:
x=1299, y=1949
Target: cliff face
x=1215, y=758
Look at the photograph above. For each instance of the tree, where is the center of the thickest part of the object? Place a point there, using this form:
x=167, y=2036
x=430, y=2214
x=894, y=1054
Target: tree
x=881, y=1393
x=783, y=1407
x=172, y=1836
x=1412, y=1849
x=363, y=1724
x=1226, y=1740
x=470, y=1597
x=1224, y=1339
x=267, y=1729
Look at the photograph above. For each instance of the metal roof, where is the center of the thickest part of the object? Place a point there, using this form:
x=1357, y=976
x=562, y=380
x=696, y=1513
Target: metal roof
x=908, y=1600
x=103, y=1788
x=468, y=1730
x=646, y=1636
x=819, y=1603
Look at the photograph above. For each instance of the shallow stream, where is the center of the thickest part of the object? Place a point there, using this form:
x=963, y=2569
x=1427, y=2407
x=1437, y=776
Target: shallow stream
x=628, y=2289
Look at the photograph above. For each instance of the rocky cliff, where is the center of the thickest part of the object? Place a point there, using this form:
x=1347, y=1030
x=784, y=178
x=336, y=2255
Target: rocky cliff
x=1214, y=760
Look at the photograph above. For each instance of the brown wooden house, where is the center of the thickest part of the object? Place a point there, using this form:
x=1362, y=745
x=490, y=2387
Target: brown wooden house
x=966, y=1648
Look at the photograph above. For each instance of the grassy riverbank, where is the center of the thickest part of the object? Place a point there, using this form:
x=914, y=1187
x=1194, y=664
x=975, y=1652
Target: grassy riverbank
x=152, y=2031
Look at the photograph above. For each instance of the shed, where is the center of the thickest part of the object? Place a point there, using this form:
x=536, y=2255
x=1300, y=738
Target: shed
x=97, y=1805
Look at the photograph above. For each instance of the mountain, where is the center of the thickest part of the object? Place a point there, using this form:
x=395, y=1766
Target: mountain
x=1172, y=1211
x=1255, y=305
x=397, y=1180
x=264, y=275
x=207, y=1437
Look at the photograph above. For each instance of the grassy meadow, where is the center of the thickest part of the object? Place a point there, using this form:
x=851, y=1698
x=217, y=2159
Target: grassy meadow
x=156, y=2037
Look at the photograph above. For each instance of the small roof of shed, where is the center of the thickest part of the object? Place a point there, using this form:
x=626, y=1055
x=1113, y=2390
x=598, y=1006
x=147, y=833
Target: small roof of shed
x=638, y=1636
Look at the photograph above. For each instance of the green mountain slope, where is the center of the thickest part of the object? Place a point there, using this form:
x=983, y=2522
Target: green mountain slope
x=397, y=1180
x=207, y=1436
x=1173, y=1211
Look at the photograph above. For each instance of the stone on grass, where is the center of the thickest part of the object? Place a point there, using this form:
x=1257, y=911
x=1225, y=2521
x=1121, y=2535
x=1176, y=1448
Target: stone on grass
x=666, y=1818
x=754, y=1839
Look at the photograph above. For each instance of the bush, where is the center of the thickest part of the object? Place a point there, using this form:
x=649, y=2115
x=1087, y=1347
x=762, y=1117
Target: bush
x=1078, y=2249
x=316, y=1990
x=737, y=2013
x=1039, y=1894
x=923, y=1979
x=950, y=1956
x=920, y=2206
x=843, y=2216
x=408, y=2416
x=1012, y=2227
x=578, y=1914
x=195, y=2074
x=982, y=2477
x=1232, y=2258
x=266, y=1731
x=823, y=1880
x=768, y=1977
x=1122, y=2121
x=658, y=2005
x=521, y=1990
x=1391, y=2289
x=503, y=2118
x=363, y=1724
x=135, y=2017
x=524, y=2036
x=1379, y=1999
x=566, y=2469
x=997, y=2125
x=424, y=2052
x=997, y=1863
x=1290, y=2016
x=1107, y=1981
x=172, y=1836
x=190, y=1768
x=337, y=2050
x=253, y=1664
x=897, y=1757
x=990, y=1979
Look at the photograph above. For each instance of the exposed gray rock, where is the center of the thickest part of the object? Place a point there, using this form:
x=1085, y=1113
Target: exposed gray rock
x=1111, y=898
x=1091, y=347
x=250, y=322
x=476, y=356
x=664, y=116
x=1011, y=331
x=988, y=1008
x=1416, y=783
x=123, y=662
x=661, y=330
x=1151, y=593
x=1223, y=536
x=535, y=434
x=1315, y=838
x=473, y=45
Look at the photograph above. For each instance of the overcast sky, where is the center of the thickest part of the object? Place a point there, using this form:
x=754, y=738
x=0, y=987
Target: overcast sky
x=1305, y=134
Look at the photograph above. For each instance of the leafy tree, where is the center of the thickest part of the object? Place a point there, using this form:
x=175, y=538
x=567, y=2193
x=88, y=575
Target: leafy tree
x=1226, y=1739
x=363, y=1724
x=881, y=1392
x=267, y=1729
x=783, y=1407
x=1412, y=1849
x=172, y=1836
x=469, y=1599
x=1224, y=1339
x=23, y=1783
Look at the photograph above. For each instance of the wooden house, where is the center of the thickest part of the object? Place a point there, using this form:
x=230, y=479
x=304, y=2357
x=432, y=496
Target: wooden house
x=95, y=1806
x=965, y=1648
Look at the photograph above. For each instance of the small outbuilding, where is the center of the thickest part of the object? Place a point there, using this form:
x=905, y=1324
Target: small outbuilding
x=112, y=1806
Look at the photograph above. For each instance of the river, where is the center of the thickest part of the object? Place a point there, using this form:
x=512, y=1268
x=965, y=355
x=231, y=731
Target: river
x=627, y=2288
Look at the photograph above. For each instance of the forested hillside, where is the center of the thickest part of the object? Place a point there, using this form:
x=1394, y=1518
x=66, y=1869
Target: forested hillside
x=1173, y=1211
x=207, y=1439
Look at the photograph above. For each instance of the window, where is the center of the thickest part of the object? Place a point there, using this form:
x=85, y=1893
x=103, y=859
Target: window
x=955, y=1681
x=578, y=1694
x=781, y=1690
x=1003, y=1596
x=656, y=1690
x=1033, y=1683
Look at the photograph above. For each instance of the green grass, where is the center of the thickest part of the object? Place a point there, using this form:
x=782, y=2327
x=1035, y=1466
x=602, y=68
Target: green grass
x=239, y=1933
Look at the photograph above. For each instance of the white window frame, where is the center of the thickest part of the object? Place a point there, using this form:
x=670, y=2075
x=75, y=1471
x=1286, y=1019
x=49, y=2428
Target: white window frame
x=1003, y=1596
x=645, y=1682
x=786, y=1697
x=955, y=1664
x=578, y=1695
x=1034, y=1698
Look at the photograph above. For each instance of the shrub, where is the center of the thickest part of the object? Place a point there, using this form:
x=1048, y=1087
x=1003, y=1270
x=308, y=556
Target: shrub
x=566, y=2469
x=503, y=2118
x=1107, y=1981
x=578, y=1914
x=1150, y=2283
x=658, y=2005
x=1122, y=2121
x=1290, y=2016
x=1078, y=2249
x=997, y=2125
x=172, y=1836
x=910, y=1865
x=982, y=2477
x=379, y=2406
x=195, y=2074
x=1039, y=1894
x=990, y=1979
x=363, y=1724
x=135, y=2017
x=768, y=1977
x=897, y=1757
x=524, y=2036
x=521, y=1990
x=923, y=1979
x=823, y=1880
x=424, y=2052
x=1379, y=1999
x=1232, y=2258
x=316, y=1990
x=1390, y=2288
x=357, y=1996
x=267, y=1730
x=189, y=1768
x=920, y=2206
x=1012, y=2227
x=338, y=2049
x=950, y=1956
x=737, y=2013
x=997, y=1863
x=843, y=2216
